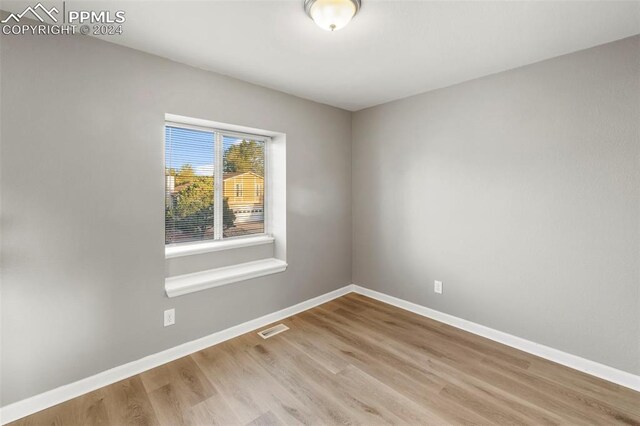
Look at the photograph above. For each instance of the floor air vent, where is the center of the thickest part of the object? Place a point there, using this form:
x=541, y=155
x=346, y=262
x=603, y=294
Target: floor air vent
x=276, y=329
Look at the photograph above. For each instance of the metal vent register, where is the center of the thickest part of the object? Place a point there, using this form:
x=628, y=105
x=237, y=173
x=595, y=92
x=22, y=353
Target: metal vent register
x=269, y=332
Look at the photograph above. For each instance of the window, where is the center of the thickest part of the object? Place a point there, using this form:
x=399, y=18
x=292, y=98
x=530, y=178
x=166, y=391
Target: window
x=206, y=174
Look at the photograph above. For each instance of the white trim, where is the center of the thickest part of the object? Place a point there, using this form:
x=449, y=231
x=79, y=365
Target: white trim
x=171, y=251
x=218, y=188
x=181, y=120
x=219, y=131
x=265, y=181
x=275, y=194
x=189, y=283
x=593, y=368
x=28, y=406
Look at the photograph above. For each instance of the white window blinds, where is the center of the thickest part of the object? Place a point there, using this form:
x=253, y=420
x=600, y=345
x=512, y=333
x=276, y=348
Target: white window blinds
x=214, y=184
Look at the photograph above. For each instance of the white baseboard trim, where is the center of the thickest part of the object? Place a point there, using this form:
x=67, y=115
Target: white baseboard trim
x=593, y=368
x=64, y=393
x=28, y=406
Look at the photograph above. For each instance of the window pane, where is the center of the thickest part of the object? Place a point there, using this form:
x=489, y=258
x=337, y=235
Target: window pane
x=243, y=190
x=188, y=185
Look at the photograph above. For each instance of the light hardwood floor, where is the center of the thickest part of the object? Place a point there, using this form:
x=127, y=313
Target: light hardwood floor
x=354, y=360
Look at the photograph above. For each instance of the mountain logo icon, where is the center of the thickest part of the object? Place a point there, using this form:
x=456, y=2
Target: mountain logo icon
x=34, y=12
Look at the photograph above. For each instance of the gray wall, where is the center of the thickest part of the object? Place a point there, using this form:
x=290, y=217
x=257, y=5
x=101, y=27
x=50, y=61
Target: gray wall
x=82, y=194
x=521, y=192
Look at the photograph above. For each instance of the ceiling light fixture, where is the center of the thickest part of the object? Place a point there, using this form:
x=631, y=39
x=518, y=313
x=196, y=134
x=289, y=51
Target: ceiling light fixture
x=331, y=15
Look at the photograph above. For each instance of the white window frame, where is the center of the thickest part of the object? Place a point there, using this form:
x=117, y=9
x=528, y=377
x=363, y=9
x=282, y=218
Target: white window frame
x=275, y=211
x=218, y=242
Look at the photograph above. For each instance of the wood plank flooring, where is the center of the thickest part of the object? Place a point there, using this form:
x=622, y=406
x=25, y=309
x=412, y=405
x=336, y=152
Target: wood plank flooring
x=354, y=361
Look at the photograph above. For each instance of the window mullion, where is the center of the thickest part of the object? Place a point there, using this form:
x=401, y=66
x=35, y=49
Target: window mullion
x=218, y=187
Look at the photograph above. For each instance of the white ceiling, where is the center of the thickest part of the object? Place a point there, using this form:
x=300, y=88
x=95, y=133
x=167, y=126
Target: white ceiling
x=392, y=49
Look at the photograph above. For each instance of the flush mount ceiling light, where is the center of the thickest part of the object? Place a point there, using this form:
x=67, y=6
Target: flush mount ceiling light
x=331, y=15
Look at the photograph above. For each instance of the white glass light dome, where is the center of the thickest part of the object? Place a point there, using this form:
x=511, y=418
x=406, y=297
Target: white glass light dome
x=331, y=15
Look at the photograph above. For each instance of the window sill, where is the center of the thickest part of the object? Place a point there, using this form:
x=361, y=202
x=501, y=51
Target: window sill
x=189, y=283
x=199, y=248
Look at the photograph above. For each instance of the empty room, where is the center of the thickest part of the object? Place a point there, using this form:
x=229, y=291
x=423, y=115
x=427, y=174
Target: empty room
x=319, y=212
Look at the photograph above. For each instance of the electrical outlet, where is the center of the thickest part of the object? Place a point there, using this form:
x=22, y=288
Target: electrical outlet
x=169, y=317
x=437, y=287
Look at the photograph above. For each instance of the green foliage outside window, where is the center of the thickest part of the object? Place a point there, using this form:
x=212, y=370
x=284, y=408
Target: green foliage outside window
x=190, y=207
x=247, y=156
